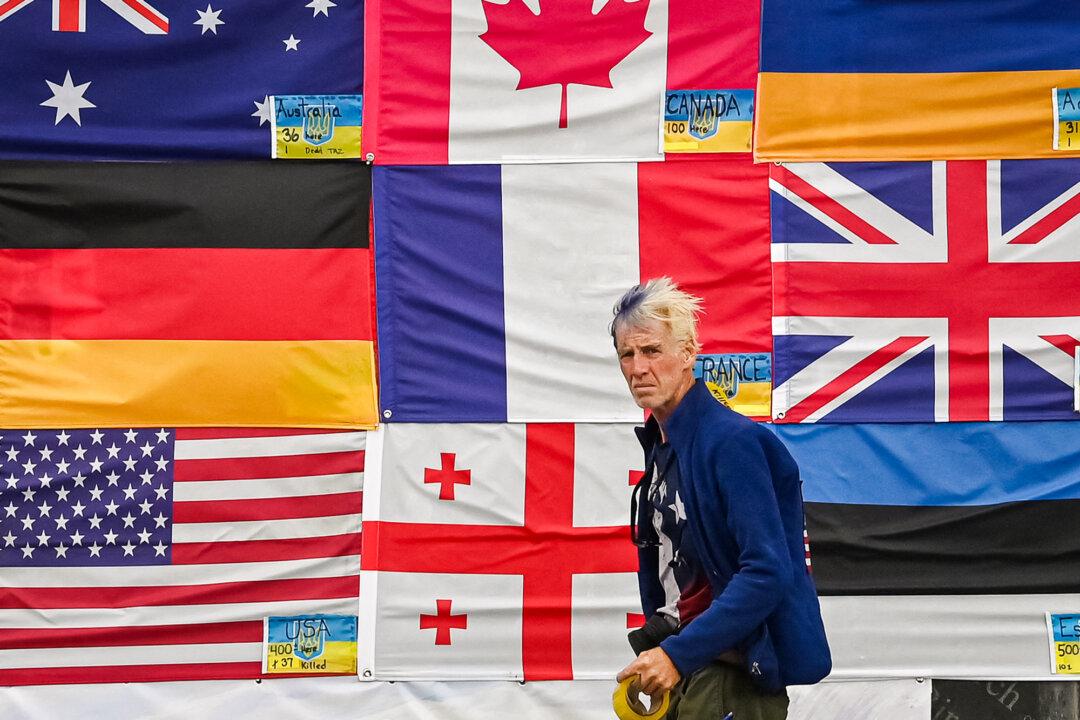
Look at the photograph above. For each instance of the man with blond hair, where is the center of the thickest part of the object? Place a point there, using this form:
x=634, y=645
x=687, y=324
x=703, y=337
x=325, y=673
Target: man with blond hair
x=733, y=615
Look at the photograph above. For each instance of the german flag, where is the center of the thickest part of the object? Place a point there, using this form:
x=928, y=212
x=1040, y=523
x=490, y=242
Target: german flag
x=183, y=294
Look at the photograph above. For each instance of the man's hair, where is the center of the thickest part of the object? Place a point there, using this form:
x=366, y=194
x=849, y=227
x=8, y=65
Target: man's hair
x=659, y=299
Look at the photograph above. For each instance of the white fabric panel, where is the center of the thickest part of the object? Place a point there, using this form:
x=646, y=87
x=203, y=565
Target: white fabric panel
x=946, y=636
x=491, y=121
x=342, y=697
x=604, y=456
x=570, y=249
x=490, y=645
x=601, y=603
x=874, y=700
x=493, y=454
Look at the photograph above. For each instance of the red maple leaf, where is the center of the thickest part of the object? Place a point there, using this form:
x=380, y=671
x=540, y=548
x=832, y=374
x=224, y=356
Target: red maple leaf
x=565, y=43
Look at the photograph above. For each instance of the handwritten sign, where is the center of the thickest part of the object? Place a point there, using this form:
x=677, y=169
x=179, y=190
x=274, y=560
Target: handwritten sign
x=1064, y=632
x=742, y=381
x=708, y=121
x=1066, y=118
x=309, y=644
x=316, y=127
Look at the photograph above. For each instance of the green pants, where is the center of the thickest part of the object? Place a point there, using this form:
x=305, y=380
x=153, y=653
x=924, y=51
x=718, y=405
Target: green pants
x=718, y=689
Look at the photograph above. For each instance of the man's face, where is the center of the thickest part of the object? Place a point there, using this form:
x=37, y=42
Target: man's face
x=655, y=366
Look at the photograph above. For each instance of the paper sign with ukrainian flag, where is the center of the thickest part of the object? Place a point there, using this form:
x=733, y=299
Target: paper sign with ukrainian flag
x=309, y=644
x=1066, y=118
x=708, y=121
x=1064, y=632
x=742, y=381
x=316, y=127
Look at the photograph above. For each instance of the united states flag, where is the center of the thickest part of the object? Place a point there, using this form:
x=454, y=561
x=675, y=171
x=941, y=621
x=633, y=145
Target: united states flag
x=937, y=291
x=134, y=555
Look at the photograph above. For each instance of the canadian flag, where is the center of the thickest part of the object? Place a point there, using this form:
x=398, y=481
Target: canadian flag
x=498, y=552
x=506, y=81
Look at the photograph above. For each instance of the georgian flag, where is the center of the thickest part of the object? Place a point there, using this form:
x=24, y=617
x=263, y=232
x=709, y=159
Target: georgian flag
x=498, y=552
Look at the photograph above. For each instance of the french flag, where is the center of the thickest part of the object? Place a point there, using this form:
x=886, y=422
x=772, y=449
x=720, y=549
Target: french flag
x=519, y=81
x=496, y=284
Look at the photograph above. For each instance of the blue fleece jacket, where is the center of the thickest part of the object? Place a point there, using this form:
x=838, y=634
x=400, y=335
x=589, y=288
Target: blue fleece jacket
x=744, y=514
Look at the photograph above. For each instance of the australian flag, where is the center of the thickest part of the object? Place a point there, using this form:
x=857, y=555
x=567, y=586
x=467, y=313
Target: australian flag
x=165, y=79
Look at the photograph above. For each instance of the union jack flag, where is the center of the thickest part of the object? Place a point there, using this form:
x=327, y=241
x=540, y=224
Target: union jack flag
x=942, y=291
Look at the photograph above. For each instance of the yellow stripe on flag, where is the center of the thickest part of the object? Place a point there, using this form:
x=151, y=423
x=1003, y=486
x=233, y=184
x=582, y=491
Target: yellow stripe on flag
x=907, y=116
x=162, y=383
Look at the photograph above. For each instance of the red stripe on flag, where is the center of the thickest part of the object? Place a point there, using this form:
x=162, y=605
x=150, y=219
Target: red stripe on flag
x=68, y=15
x=6, y=8
x=546, y=647
x=862, y=229
x=267, y=550
x=211, y=293
x=164, y=595
x=409, y=84
x=254, y=468
x=278, y=508
x=130, y=673
x=225, y=632
x=145, y=11
x=850, y=378
x=1065, y=343
x=715, y=247
x=241, y=432
x=694, y=46
x=1054, y=220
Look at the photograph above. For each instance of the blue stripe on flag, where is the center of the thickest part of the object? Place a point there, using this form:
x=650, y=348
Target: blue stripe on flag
x=439, y=283
x=936, y=464
x=918, y=36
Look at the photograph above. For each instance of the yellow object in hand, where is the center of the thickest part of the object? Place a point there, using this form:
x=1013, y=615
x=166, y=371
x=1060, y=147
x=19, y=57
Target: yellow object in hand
x=628, y=705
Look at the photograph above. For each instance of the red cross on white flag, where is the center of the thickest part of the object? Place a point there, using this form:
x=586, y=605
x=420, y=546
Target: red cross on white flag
x=443, y=622
x=70, y=15
x=528, y=573
x=447, y=477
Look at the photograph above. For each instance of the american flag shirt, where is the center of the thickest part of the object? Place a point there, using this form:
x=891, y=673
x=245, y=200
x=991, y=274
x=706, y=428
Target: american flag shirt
x=686, y=588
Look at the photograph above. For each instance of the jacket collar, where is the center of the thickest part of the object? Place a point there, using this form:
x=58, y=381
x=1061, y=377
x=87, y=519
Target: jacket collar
x=649, y=434
x=684, y=421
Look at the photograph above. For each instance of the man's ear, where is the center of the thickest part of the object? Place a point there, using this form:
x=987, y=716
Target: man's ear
x=691, y=355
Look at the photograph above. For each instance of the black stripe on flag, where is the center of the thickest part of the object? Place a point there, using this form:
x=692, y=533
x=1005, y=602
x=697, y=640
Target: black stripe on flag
x=282, y=204
x=1019, y=547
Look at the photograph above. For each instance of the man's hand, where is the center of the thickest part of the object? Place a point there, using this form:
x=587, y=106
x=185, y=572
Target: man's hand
x=657, y=673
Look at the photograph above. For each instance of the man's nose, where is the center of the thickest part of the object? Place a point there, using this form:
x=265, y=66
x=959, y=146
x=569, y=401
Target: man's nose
x=639, y=366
